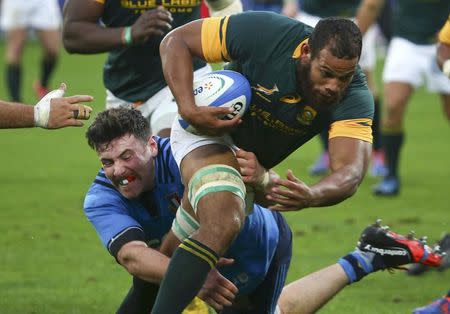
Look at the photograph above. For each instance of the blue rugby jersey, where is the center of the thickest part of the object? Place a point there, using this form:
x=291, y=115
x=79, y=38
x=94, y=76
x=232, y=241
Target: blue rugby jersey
x=112, y=214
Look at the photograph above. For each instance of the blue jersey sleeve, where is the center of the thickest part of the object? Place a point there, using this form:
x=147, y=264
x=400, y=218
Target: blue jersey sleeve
x=107, y=211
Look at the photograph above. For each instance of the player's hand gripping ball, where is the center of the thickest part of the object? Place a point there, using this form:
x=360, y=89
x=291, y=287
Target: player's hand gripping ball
x=221, y=89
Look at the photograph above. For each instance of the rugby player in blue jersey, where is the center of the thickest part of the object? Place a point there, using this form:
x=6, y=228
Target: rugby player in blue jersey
x=132, y=204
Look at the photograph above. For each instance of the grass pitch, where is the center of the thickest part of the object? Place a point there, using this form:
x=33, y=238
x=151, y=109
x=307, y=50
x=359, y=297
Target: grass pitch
x=53, y=262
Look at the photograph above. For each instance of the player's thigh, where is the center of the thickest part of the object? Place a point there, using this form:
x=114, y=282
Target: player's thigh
x=216, y=193
x=45, y=15
x=437, y=81
x=397, y=95
x=404, y=63
x=15, y=42
x=50, y=41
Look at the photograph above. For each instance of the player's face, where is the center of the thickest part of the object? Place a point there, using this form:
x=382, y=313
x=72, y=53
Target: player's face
x=325, y=78
x=129, y=164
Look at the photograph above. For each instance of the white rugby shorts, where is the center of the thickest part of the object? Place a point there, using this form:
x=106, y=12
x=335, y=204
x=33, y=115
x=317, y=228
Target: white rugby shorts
x=160, y=109
x=410, y=63
x=184, y=142
x=35, y=14
x=368, y=57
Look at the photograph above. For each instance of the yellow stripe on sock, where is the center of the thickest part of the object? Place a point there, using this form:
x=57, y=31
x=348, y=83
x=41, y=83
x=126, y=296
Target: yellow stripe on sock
x=198, y=254
x=206, y=252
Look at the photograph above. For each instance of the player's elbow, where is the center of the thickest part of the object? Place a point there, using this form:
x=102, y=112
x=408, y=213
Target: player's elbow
x=72, y=38
x=127, y=261
x=167, y=41
x=69, y=40
x=352, y=180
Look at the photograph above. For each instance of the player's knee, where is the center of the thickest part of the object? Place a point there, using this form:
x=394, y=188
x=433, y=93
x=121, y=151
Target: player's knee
x=222, y=232
x=184, y=225
x=210, y=181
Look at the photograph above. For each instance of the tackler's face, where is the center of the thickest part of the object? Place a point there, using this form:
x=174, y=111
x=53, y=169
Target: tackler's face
x=129, y=164
x=328, y=78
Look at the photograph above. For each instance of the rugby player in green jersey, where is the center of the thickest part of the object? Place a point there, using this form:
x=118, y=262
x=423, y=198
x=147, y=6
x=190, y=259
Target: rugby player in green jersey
x=403, y=73
x=302, y=82
x=130, y=31
x=362, y=12
x=443, y=52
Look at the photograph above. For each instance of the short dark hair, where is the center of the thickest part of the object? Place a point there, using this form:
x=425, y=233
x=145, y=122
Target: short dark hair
x=340, y=35
x=117, y=122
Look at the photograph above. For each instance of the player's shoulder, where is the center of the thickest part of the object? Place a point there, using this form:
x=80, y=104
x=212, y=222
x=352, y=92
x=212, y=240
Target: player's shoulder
x=101, y=191
x=265, y=20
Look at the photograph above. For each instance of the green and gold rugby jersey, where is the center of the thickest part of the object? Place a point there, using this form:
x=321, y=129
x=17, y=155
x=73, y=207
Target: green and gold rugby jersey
x=135, y=73
x=444, y=34
x=265, y=48
x=326, y=8
x=419, y=20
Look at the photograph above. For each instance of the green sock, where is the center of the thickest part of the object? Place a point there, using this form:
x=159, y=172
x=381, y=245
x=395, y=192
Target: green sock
x=377, y=144
x=392, y=143
x=13, y=80
x=186, y=274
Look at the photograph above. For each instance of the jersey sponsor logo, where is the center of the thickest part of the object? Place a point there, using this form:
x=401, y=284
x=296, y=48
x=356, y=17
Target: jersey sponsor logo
x=265, y=90
x=138, y=4
x=393, y=251
x=272, y=122
x=307, y=115
x=173, y=202
x=174, y=6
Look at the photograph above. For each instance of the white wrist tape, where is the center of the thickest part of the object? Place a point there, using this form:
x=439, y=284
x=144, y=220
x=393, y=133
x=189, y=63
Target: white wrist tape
x=265, y=181
x=224, y=7
x=42, y=108
x=446, y=68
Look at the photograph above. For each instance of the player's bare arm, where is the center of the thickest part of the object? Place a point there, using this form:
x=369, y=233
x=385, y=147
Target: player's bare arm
x=53, y=111
x=143, y=262
x=151, y=265
x=349, y=159
x=83, y=34
x=177, y=50
x=367, y=13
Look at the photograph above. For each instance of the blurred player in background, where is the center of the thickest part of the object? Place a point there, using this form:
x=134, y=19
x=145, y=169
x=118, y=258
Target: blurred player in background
x=53, y=111
x=131, y=32
x=410, y=59
x=443, y=50
x=311, y=11
x=16, y=18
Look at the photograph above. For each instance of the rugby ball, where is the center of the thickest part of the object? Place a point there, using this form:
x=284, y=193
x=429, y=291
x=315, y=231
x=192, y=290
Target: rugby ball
x=223, y=88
